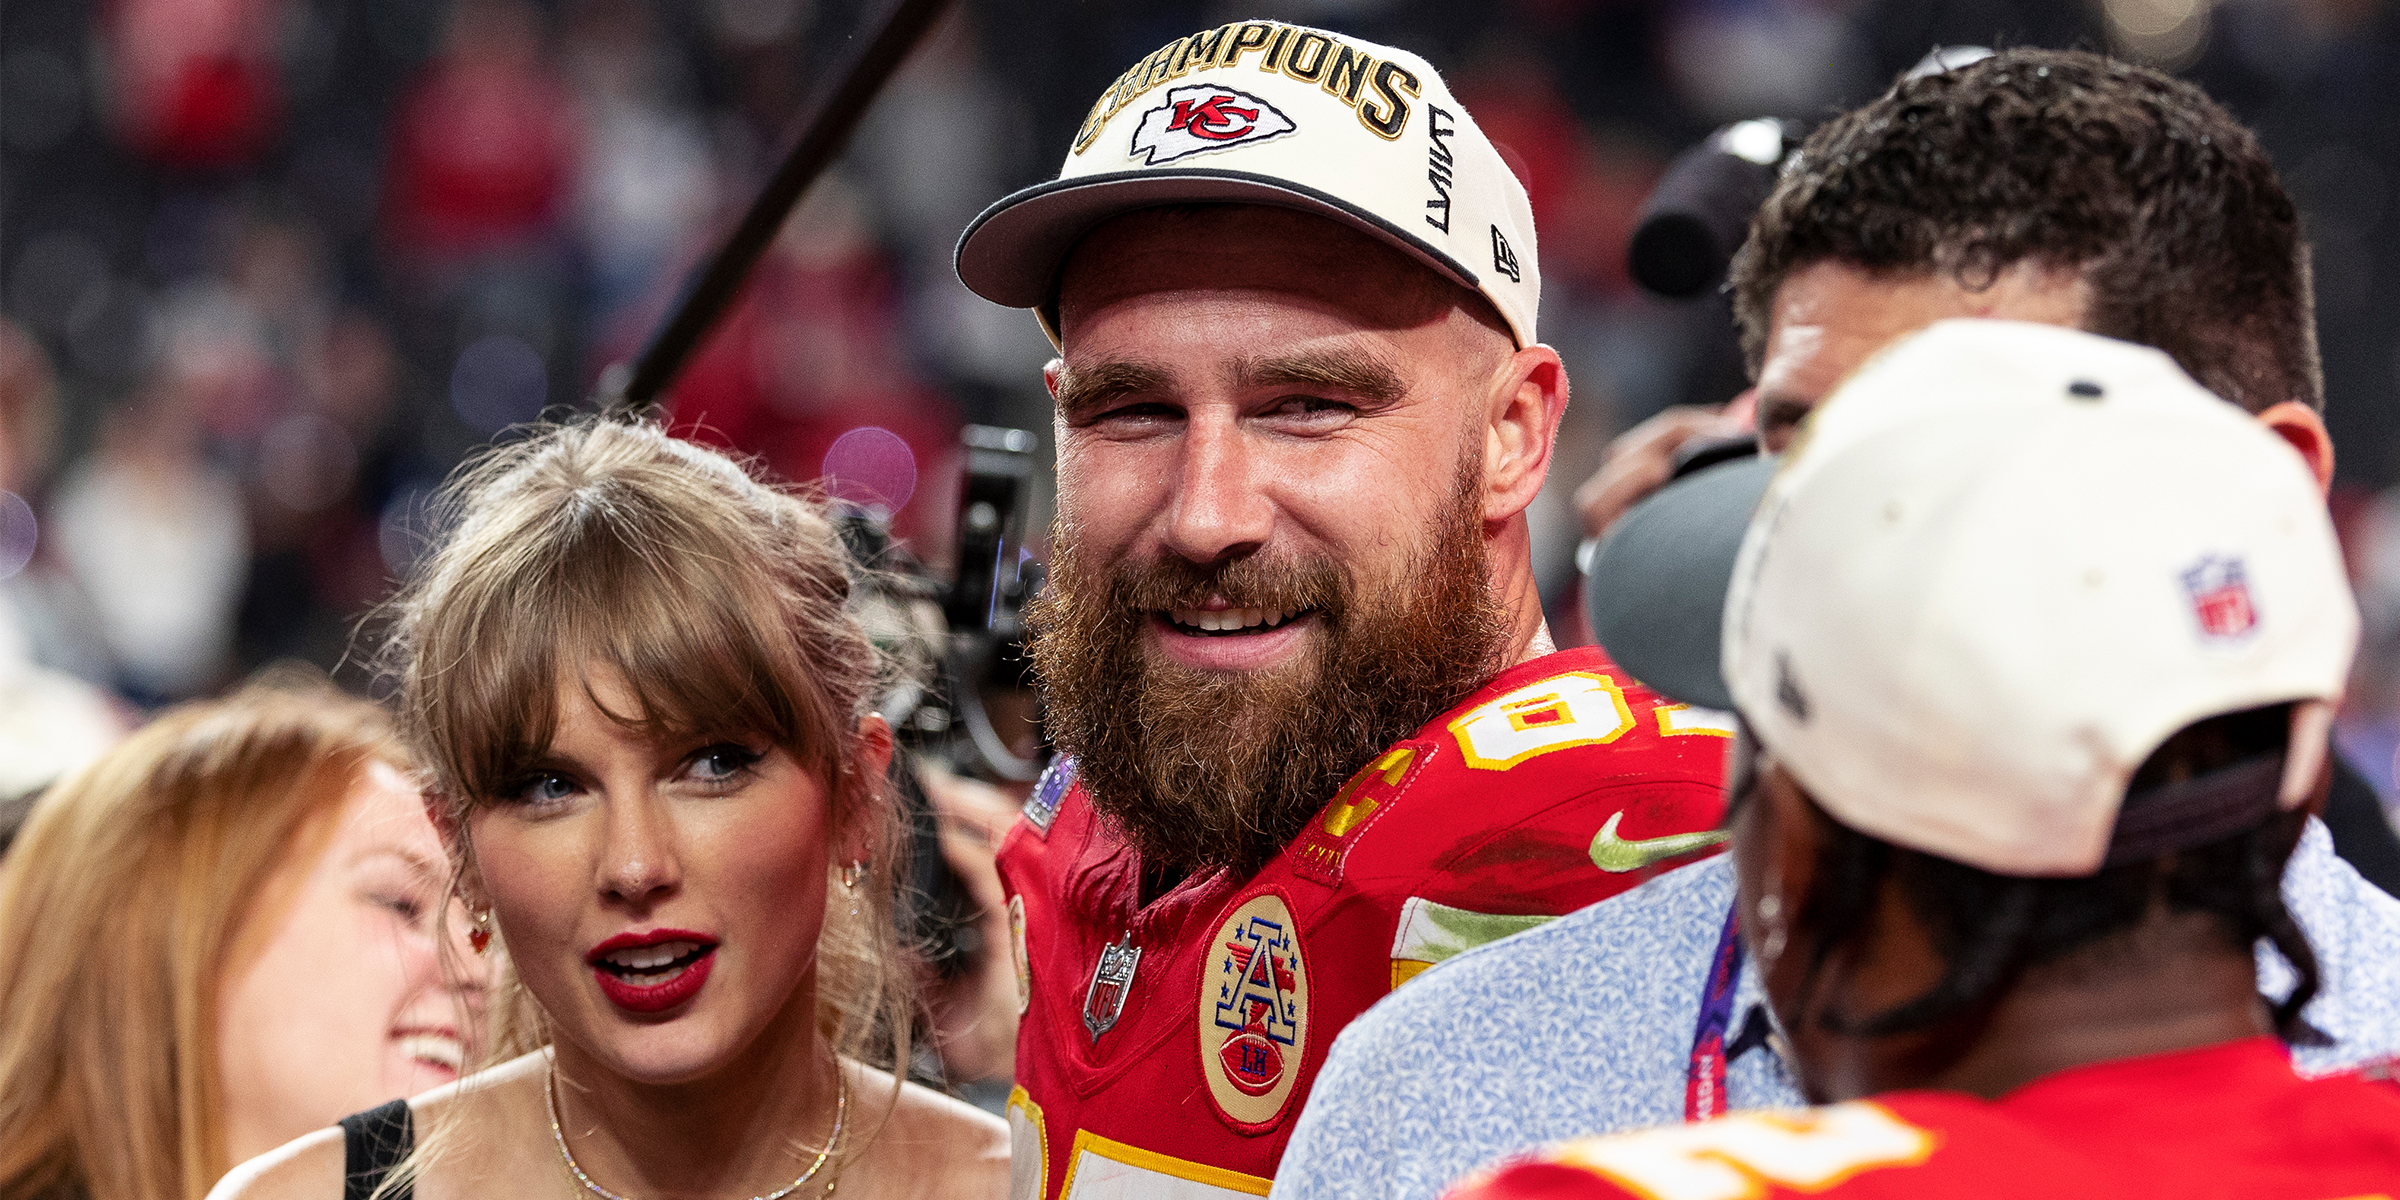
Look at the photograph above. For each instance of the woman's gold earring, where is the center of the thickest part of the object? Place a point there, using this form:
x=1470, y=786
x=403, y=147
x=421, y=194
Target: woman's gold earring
x=480, y=936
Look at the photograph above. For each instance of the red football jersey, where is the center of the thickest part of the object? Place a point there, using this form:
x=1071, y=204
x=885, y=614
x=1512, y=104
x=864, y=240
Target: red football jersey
x=1165, y=1049
x=2228, y=1121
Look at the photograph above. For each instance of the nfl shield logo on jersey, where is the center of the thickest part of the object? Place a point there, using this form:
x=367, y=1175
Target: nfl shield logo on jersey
x=1112, y=977
x=2220, y=596
x=1205, y=117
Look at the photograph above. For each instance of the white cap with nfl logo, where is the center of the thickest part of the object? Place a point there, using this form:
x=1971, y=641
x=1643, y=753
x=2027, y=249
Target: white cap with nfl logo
x=2003, y=564
x=1261, y=112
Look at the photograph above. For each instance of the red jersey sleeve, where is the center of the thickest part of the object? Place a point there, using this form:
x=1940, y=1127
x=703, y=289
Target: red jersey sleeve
x=1535, y=799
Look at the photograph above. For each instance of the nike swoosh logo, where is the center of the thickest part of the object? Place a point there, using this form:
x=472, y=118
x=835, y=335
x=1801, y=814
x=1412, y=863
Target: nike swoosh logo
x=1615, y=854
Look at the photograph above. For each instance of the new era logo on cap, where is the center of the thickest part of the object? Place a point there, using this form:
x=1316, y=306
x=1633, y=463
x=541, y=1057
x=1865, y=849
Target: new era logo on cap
x=1504, y=260
x=1205, y=117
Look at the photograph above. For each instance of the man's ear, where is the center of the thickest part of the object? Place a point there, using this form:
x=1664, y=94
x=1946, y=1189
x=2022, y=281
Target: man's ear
x=2308, y=763
x=1528, y=396
x=2304, y=428
x=1742, y=411
x=1790, y=823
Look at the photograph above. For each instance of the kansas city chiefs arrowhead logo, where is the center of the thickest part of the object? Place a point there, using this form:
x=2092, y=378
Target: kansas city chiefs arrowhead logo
x=1205, y=117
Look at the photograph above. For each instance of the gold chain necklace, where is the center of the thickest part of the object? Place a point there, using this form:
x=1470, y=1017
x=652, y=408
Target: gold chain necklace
x=841, y=1111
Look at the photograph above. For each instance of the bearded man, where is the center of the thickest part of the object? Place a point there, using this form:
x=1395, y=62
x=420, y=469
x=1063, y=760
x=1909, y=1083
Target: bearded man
x=1316, y=737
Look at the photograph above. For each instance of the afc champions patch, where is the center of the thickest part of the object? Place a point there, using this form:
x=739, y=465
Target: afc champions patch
x=1017, y=954
x=1204, y=117
x=1254, y=1012
x=2219, y=590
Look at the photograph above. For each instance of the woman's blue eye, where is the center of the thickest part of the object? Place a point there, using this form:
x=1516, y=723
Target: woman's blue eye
x=718, y=764
x=548, y=789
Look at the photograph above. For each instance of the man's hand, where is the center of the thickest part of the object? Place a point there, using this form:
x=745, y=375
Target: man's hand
x=1642, y=459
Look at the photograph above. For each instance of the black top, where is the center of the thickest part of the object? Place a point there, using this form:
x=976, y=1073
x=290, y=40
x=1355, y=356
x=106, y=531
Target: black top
x=2361, y=835
x=374, y=1142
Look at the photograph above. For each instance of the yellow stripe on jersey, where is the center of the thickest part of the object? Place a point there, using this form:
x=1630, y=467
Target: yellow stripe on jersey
x=1100, y=1169
x=1028, y=1147
x=1683, y=720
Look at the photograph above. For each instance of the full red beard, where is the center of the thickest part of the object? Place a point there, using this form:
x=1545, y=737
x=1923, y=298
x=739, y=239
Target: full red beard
x=1203, y=769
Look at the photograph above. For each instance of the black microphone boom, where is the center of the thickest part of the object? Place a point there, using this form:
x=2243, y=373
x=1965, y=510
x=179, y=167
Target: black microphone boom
x=627, y=393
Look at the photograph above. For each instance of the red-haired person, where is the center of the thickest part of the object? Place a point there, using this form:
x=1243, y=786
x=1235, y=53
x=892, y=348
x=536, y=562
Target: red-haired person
x=223, y=933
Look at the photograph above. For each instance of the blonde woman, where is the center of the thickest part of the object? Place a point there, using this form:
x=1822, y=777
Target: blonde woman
x=642, y=704
x=218, y=936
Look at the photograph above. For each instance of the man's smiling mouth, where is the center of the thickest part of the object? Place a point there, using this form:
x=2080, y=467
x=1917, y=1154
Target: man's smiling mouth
x=1225, y=622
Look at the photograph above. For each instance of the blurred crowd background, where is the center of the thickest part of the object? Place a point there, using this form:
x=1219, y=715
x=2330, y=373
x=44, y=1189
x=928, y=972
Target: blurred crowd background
x=270, y=268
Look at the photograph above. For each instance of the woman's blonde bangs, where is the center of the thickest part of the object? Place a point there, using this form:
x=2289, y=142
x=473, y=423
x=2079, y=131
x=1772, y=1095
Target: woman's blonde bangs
x=690, y=654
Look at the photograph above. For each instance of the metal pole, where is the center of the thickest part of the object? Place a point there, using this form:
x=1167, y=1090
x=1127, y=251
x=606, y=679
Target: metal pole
x=630, y=392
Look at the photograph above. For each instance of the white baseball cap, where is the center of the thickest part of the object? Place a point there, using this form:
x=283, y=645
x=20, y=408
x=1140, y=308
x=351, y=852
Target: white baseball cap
x=2003, y=564
x=1261, y=112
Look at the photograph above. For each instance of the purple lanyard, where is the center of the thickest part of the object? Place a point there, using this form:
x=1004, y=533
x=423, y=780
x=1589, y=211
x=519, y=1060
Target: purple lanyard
x=1704, y=1083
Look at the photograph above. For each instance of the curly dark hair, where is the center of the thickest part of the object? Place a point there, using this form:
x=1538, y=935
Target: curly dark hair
x=2165, y=205
x=1992, y=928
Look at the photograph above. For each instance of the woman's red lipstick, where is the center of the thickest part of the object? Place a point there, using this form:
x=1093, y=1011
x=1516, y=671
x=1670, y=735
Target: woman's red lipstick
x=650, y=972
